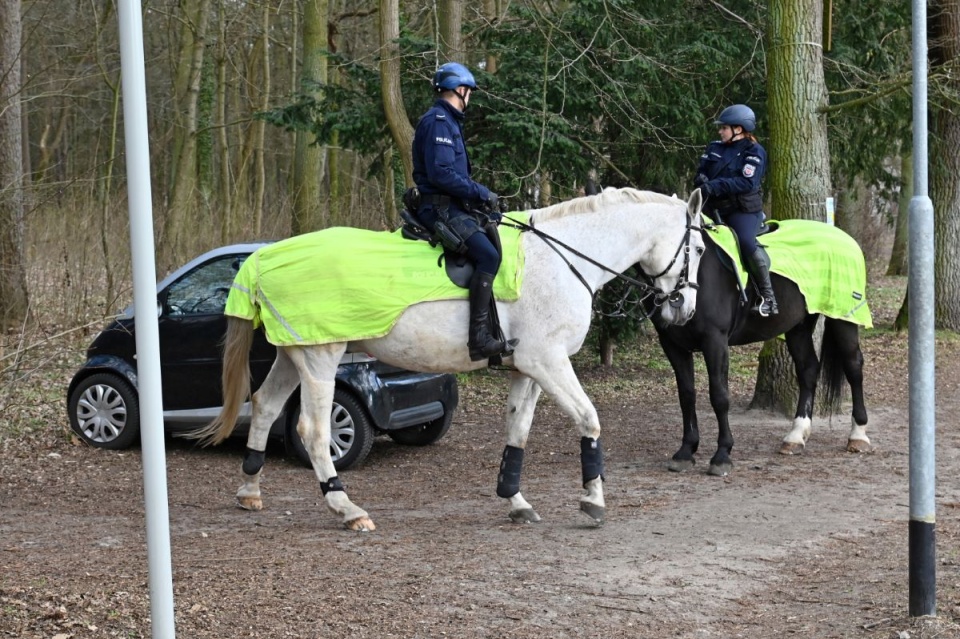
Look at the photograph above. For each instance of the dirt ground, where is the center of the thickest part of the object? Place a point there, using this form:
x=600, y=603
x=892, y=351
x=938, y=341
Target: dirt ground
x=806, y=546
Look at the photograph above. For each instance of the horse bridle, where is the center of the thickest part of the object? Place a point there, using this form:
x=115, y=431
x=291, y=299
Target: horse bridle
x=674, y=298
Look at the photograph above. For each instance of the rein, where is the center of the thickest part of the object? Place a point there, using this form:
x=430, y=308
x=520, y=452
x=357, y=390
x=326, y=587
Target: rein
x=674, y=297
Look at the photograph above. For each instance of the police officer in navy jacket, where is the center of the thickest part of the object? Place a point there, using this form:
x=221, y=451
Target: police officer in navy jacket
x=729, y=174
x=441, y=170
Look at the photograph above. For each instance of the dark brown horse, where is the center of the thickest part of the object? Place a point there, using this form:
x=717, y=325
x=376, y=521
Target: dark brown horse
x=723, y=319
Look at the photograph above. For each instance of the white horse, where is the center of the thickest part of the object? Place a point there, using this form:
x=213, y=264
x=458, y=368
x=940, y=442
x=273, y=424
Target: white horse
x=574, y=248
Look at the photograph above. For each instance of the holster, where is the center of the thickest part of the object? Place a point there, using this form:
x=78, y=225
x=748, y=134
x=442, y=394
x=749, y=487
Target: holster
x=449, y=238
x=453, y=232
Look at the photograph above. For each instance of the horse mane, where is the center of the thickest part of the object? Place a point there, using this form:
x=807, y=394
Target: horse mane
x=607, y=197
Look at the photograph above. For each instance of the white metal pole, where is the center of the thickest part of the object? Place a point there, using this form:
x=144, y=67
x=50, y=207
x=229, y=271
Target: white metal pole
x=145, y=309
x=923, y=510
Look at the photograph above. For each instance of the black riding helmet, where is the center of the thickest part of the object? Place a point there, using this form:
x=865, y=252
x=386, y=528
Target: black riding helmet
x=738, y=115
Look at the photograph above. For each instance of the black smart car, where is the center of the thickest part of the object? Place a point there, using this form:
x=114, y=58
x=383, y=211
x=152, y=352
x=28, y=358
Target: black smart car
x=371, y=397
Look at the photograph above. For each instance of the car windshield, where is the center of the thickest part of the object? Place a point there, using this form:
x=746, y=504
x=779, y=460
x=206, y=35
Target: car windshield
x=204, y=290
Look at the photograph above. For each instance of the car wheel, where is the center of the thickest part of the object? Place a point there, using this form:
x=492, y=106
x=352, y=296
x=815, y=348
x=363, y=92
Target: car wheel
x=423, y=434
x=105, y=411
x=351, y=434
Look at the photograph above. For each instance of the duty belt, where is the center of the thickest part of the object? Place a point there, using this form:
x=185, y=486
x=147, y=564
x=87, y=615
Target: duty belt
x=435, y=199
x=724, y=204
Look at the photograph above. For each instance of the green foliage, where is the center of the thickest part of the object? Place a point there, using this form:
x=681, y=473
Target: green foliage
x=868, y=75
x=619, y=312
x=606, y=85
x=353, y=109
x=601, y=85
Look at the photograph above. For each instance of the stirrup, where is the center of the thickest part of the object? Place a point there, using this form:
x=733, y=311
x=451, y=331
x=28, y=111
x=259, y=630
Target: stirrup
x=765, y=307
x=478, y=353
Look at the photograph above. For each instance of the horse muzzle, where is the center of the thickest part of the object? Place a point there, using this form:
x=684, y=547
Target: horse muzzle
x=675, y=309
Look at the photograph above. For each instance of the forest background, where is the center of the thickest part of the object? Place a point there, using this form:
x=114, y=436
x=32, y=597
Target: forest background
x=278, y=117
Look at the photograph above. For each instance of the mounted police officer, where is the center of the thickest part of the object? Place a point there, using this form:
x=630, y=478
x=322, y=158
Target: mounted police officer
x=441, y=170
x=729, y=174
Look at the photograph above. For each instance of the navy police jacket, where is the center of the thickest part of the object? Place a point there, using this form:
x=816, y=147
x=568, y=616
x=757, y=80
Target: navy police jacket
x=733, y=173
x=440, y=162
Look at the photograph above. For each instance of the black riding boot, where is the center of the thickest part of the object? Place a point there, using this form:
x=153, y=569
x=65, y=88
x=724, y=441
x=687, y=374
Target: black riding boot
x=482, y=344
x=759, y=265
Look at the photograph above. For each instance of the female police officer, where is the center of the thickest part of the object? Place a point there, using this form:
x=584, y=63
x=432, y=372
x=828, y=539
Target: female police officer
x=729, y=175
x=441, y=170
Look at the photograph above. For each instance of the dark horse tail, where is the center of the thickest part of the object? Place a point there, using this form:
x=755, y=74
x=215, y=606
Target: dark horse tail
x=831, y=367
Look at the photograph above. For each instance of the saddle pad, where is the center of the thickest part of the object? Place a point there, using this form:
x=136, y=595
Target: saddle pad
x=343, y=284
x=824, y=262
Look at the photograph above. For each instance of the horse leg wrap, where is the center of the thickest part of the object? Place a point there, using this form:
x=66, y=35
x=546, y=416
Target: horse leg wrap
x=331, y=484
x=508, y=481
x=253, y=461
x=591, y=459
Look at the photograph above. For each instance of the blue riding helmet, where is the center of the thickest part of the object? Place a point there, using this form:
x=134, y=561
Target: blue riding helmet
x=452, y=75
x=738, y=115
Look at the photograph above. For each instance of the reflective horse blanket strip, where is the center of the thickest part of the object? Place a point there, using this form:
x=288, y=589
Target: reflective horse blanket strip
x=826, y=264
x=343, y=283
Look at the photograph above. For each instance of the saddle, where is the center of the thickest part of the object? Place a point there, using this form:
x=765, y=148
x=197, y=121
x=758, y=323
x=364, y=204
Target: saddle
x=456, y=264
x=454, y=258
x=727, y=261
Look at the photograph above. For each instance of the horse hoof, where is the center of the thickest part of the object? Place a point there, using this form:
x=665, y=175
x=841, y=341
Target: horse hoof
x=791, y=448
x=360, y=524
x=858, y=446
x=250, y=503
x=594, y=512
x=524, y=516
x=681, y=465
x=720, y=470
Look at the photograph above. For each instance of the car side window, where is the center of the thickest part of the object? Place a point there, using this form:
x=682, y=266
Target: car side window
x=203, y=291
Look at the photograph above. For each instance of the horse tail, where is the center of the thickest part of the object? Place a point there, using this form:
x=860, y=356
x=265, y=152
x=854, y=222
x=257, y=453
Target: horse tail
x=831, y=368
x=235, y=381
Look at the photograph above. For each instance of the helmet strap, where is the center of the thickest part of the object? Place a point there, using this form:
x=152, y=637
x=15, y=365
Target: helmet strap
x=462, y=94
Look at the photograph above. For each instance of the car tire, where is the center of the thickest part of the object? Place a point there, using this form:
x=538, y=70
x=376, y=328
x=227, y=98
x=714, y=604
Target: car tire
x=105, y=411
x=351, y=433
x=423, y=434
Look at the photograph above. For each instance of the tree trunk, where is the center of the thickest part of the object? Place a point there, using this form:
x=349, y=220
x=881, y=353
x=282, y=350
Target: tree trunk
x=799, y=179
x=14, y=302
x=902, y=322
x=450, y=19
x=945, y=172
x=260, y=177
x=310, y=159
x=491, y=11
x=400, y=127
x=608, y=346
x=847, y=208
x=106, y=229
x=183, y=203
x=776, y=388
x=390, y=206
x=226, y=181
x=899, y=254
x=335, y=153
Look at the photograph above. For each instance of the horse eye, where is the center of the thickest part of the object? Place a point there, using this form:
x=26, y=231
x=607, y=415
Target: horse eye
x=700, y=250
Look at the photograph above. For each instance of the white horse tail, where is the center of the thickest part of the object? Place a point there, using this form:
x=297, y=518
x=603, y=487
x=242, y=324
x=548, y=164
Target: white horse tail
x=235, y=381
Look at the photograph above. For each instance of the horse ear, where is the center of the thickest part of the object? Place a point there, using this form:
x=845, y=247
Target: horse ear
x=695, y=203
